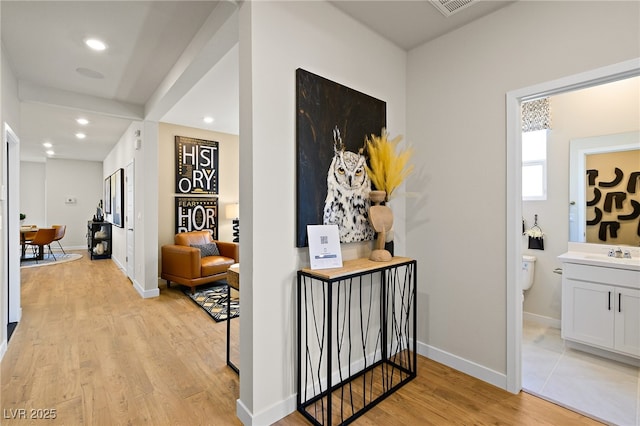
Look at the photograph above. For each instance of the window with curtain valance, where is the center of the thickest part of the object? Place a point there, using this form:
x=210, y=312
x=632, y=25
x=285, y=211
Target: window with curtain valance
x=536, y=122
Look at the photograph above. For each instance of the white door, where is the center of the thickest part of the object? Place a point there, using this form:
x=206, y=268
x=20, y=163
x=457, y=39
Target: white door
x=130, y=220
x=628, y=321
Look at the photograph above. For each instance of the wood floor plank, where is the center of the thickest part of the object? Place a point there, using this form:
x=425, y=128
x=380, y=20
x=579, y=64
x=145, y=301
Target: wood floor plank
x=89, y=347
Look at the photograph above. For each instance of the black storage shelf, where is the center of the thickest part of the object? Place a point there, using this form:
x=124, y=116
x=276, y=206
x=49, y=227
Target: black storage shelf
x=99, y=233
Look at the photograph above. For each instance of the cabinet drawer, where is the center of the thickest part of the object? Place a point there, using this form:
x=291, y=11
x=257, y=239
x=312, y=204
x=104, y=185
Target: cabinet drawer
x=602, y=275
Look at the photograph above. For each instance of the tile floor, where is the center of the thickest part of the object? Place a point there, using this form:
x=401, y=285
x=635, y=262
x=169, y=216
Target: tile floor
x=606, y=390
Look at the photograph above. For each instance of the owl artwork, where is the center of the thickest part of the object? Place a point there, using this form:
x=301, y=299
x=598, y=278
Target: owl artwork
x=348, y=186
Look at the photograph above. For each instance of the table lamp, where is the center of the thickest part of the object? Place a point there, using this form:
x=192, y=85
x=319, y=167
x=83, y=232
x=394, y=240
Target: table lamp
x=232, y=211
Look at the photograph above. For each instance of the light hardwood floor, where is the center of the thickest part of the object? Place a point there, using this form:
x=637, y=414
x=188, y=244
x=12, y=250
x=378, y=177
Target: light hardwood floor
x=91, y=349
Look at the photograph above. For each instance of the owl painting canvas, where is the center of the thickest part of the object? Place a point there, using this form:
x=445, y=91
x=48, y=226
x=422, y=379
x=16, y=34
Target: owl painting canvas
x=348, y=186
x=332, y=186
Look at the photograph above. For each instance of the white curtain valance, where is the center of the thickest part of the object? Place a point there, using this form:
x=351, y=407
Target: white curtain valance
x=536, y=115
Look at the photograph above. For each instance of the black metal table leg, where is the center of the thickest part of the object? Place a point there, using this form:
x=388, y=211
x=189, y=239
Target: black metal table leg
x=229, y=363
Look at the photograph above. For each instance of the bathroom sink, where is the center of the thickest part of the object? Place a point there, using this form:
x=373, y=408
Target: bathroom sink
x=597, y=259
x=622, y=260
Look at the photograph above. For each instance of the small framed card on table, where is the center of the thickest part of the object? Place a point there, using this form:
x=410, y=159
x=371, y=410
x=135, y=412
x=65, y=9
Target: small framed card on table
x=324, y=246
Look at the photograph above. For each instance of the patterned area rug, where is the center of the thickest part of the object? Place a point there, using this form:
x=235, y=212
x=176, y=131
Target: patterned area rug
x=49, y=260
x=213, y=300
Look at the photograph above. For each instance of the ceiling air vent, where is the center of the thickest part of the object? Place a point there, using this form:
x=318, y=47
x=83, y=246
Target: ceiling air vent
x=449, y=7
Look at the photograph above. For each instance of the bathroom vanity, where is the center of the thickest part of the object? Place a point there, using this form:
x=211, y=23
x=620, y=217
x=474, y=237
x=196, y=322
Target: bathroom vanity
x=601, y=302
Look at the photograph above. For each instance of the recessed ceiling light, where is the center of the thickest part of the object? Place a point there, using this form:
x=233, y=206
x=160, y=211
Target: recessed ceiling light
x=47, y=144
x=80, y=135
x=82, y=121
x=208, y=119
x=50, y=152
x=95, y=44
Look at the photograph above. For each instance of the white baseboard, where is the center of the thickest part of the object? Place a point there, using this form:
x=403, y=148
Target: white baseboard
x=338, y=375
x=266, y=417
x=118, y=264
x=464, y=365
x=541, y=320
x=288, y=405
x=243, y=413
x=18, y=316
x=3, y=349
x=146, y=294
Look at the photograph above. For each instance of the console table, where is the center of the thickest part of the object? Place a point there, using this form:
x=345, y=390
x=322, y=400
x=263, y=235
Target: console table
x=356, y=337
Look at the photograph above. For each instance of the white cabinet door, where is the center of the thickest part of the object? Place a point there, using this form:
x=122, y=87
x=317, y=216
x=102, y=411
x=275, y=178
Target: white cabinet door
x=587, y=312
x=627, y=321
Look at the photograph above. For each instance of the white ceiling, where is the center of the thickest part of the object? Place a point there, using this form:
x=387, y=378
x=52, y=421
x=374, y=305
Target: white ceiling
x=410, y=23
x=216, y=95
x=43, y=43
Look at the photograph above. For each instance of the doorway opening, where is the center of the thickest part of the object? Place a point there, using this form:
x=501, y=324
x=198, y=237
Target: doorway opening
x=10, y=221
x=514, y=99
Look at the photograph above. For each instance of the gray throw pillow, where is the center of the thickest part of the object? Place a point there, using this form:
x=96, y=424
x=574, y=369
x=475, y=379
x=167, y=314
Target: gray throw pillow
x=210, y=249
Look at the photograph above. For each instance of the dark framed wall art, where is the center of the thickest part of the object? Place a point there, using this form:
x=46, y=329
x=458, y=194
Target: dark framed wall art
x=107, y=195
x=612, y=201
x=117, y=198
x=196, y=166
x=197, y=214
x=332, y=121
x=197, y=180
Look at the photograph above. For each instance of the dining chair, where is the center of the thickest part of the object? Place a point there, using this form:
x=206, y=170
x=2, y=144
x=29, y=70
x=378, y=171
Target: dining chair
x=27, y=232
x=60, y=231
x=44, y=237
x=27, y=236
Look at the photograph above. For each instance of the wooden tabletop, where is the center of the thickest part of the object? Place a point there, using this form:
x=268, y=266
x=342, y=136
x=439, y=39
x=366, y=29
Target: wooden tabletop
x=233, y=276
x=354, y=266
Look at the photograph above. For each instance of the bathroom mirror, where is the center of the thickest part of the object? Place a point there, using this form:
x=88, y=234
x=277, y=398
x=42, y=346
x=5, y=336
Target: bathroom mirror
x=605, y=201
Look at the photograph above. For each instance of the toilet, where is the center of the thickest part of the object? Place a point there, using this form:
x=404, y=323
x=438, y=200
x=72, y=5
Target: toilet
x=528, y=264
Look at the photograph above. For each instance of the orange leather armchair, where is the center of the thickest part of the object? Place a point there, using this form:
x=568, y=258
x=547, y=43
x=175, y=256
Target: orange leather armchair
x=184, y=264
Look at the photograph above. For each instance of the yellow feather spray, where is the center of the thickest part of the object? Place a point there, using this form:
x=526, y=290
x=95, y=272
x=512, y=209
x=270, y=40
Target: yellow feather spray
x=388, y=168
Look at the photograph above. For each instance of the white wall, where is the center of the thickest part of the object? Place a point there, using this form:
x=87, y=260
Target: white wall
x=32, y=192
x=456, y=108
x=121, y=155
x=4, y=266
x=316, y=37
x=601, y=110
x=81, y=180
x=10, y=101
x=10, y=267
x=145, y=220
x=45, y=187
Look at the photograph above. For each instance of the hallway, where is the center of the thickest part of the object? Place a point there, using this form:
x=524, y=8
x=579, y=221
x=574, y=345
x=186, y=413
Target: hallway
x=92, y=352
x=91, y=349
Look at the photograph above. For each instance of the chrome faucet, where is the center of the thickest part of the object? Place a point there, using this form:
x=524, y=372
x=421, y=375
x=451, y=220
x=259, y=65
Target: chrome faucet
x=627, y=254
x=616, y=253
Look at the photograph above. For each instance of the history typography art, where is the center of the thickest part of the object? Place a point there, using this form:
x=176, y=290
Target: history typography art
x=196, y=174
x=196, y=166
